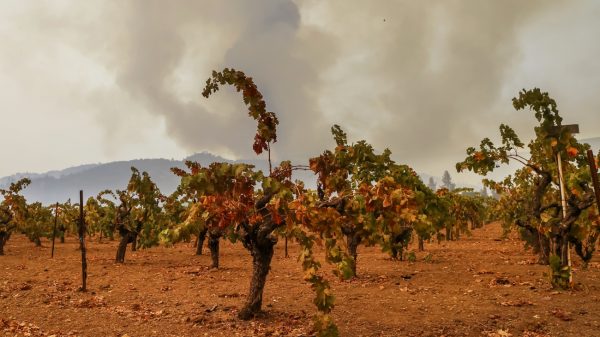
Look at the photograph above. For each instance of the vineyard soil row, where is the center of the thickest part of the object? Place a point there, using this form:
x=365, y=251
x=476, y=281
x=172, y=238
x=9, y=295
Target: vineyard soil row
x=478, y=286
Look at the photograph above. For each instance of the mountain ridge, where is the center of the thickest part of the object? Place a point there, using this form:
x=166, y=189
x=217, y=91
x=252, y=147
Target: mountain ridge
x=594, y=143
x=61, y=185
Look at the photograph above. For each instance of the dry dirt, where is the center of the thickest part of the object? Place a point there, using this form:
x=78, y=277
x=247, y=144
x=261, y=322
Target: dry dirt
x=478, y=286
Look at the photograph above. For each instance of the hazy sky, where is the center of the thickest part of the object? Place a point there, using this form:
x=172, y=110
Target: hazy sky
x=95, y=81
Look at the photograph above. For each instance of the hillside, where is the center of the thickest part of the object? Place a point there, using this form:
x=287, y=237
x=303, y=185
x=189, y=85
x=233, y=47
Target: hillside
x=594, y=143
x=62, y=185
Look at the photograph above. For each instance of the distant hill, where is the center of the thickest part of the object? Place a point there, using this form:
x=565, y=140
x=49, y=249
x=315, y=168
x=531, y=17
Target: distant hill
x=61, y=185
x=56, y=174
x=594, y=143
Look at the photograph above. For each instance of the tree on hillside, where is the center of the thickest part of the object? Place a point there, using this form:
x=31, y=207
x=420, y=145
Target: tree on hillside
x=432, y=185
x=484, y=192
x=447, y=181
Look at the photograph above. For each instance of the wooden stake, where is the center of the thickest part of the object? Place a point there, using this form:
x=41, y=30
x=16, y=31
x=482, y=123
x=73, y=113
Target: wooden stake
x=564, y=212
x=594, y=171
x=82, y=243
x=54, y=230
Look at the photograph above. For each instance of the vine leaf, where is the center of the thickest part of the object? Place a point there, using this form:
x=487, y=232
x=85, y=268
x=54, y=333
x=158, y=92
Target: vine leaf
x=266, y=130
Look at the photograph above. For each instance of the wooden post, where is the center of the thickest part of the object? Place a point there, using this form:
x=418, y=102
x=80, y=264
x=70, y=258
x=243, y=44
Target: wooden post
x=594, y=171
x=563, y=200
x=556, y=131
x=54, y=229
x=82, y=243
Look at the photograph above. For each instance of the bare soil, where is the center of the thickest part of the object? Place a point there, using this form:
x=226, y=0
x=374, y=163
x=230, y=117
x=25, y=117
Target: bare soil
x=478, y=286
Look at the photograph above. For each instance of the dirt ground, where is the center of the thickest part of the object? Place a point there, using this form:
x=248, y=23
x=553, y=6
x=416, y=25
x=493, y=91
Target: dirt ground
x=478, y=286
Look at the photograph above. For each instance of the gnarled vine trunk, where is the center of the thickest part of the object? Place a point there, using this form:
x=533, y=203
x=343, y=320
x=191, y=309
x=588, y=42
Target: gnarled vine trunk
x=213, y=245
x=3, y=239
x=262, y=254
x=134, y=235
x=449, y=233
x=540, y=243
x=561, y=236
x=395, y=254
x=61, y=232
x=542, y=248
x=353, y=239
x=200, y=242
x=134, y=242
x=127, y=236
x=258, y=239
x=586, y=249
x=557, y=242
x=400, y=242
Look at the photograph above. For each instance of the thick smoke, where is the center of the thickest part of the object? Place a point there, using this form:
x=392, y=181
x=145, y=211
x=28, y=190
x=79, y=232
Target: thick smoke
x=438, y=67
x=266, y=44
x=424, y=78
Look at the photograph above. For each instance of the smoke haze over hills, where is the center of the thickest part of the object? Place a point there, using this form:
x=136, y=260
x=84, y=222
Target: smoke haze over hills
x=65, y=184
x=91, y=81
x=62, y=185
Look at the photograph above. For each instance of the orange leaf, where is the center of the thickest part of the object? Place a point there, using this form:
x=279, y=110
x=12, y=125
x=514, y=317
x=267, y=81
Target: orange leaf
x=387, y=202
x=572, y=152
